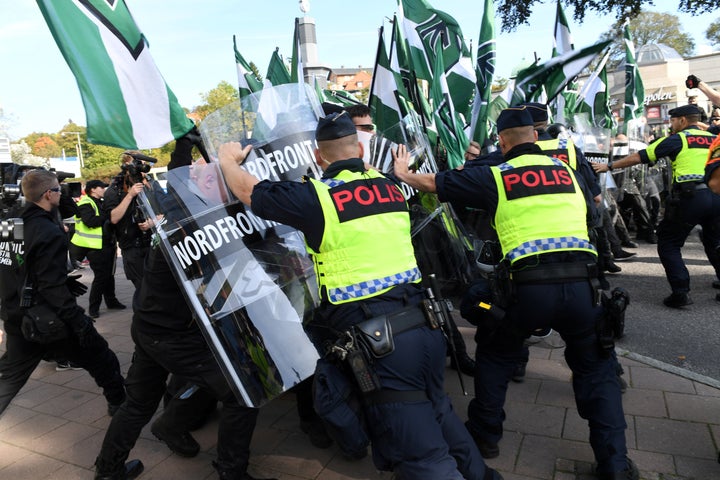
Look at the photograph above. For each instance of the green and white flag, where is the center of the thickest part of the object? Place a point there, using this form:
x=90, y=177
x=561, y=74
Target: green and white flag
x=341, y=97
x=562, y=40
x=387, y=93
x=247, y=81
x=449, y=124
x=401, y=65
x=634, y=89
x=593, y=98
x=430, y=32
x=277, y=72
x=127, y=102
x=319, y=91
x=484, y=72
x=562, y=43
x=554, y=74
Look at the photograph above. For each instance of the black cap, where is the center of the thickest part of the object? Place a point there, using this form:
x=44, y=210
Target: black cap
x=94, y=184
x=513, y=117
x=334, y=126
x=329, y=108
x=538, y=111
x=684, y=111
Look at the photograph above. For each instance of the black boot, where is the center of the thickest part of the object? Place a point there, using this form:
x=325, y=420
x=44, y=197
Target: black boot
x=181, y=443
x=132, y=469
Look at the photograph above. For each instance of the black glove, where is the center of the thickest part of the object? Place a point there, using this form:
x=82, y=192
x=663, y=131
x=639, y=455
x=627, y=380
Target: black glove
x=86, y=334
x=76, y=288
x=692, y=81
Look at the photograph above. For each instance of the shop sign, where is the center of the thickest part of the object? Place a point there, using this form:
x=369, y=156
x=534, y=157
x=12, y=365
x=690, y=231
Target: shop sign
x=658, y=96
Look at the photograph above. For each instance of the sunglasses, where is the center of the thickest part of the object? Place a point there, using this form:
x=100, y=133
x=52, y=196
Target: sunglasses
x=54, y=189
x=366, y=127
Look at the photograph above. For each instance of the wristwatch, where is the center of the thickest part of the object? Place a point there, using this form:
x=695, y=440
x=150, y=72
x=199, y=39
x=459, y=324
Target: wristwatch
x=610, y=164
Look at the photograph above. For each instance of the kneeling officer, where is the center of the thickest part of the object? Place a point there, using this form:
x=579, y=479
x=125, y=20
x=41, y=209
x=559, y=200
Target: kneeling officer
x=357, y=229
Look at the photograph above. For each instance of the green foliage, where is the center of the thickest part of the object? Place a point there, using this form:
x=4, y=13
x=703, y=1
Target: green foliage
x=516, y=12
x=713, y=32
x=216, y=98
x=649, y=28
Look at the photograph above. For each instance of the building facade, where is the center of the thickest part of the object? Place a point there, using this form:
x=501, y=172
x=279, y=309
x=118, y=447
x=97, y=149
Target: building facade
x=663, y=72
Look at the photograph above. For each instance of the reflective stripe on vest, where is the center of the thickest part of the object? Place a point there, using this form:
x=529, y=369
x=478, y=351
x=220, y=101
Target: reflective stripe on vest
x=562, y=149
x=541, y=207
x=366, y=247
x=689, y=164
x=87, y=237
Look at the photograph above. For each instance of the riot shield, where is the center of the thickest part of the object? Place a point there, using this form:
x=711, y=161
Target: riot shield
x=248, y=280
x=442, y=246
x=595, y=144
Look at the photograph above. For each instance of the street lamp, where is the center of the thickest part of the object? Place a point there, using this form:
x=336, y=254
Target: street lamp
x=79, y=147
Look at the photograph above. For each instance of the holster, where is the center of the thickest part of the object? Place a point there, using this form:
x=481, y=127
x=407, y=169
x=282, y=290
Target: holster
x=501, y=285
x=376, y=335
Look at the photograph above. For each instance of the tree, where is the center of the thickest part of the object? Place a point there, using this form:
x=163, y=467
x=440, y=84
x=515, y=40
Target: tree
x=216, y=98
x=648, y=28
x=517, y=12
x=713, y=32
x=46, y=147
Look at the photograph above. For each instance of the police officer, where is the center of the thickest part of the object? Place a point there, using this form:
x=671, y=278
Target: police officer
x=690, y=202
x=357, y=230
x=94, y=239
x=540, y=215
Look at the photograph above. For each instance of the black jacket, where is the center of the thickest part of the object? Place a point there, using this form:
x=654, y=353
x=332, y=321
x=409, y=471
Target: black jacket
x=46, y=254
x=87, y=215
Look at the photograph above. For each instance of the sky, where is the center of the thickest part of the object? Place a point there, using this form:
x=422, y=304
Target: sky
x=191, y=43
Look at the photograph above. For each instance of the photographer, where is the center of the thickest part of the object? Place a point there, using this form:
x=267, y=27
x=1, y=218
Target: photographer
x=131, y=227
x=44, y=264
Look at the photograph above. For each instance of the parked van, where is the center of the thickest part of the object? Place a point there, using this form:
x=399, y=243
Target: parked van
x=159, y=174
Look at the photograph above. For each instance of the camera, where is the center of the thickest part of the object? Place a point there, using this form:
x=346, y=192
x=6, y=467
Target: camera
x=11, y=230
x=135, y=169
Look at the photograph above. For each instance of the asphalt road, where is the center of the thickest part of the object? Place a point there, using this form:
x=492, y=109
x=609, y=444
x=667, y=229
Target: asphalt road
x=688, y=338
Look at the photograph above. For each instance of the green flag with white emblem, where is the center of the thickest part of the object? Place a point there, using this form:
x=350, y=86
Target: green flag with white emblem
x=247, y=81
x=634, y=89
x=554, y=74
x=484, y=71
x=448, y=123
x=430, y=32
x=593, y=98
x=127, y=102
x=387, y=97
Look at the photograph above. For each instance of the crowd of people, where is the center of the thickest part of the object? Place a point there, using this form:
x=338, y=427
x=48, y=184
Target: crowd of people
x=549, y=232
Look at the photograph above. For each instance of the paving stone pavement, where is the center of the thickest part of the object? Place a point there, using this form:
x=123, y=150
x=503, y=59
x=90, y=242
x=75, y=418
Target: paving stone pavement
x=54, y=427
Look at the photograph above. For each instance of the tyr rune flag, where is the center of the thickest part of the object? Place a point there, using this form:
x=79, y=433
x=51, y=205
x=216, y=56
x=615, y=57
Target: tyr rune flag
x=127, y=103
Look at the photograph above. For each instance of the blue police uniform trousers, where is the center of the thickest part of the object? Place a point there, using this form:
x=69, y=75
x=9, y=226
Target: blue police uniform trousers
x=418, y=440
x=701, y=208
x=569, y=309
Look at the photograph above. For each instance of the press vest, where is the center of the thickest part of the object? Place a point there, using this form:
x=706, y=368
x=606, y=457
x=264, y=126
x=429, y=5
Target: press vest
x=689, y=164
x=541, y=208
x=366, y=247
x=561, y=148
x=86, y=236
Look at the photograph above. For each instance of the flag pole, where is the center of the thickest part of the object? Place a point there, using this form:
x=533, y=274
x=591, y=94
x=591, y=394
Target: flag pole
x=377, y=60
